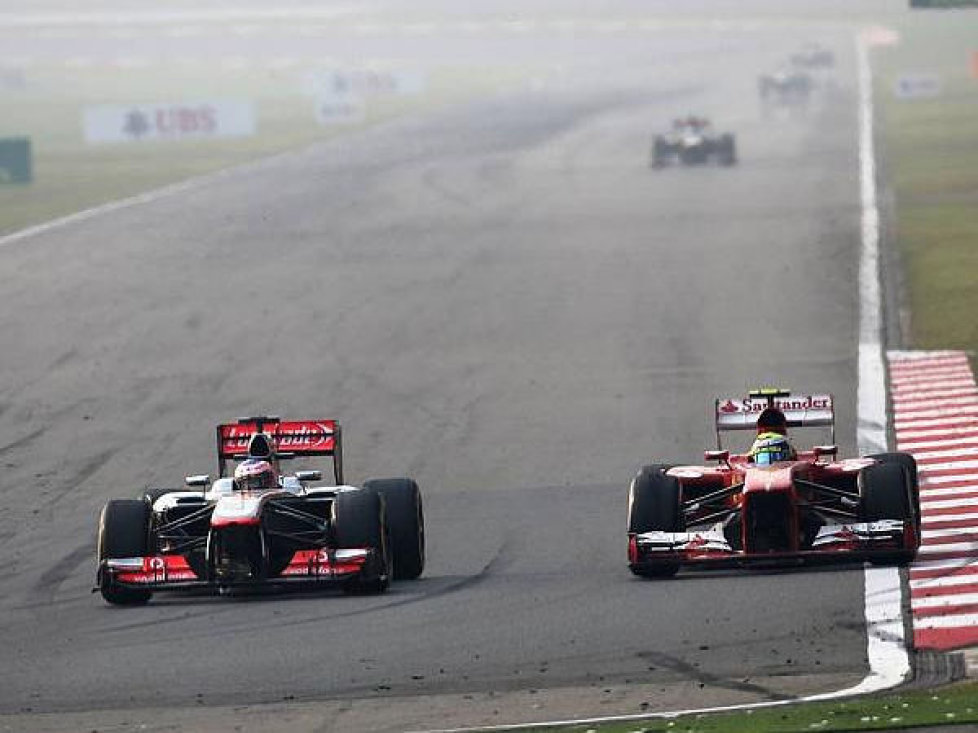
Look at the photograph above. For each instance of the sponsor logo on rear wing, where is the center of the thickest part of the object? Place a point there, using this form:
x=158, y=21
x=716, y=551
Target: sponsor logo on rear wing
x=290, y=439
x=801, y=411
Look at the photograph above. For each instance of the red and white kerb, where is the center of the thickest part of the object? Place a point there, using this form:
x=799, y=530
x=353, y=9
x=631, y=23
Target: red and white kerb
x=935, y=415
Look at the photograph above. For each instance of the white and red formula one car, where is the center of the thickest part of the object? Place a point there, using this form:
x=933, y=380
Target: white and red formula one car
x=805, y=506
x=253, y=526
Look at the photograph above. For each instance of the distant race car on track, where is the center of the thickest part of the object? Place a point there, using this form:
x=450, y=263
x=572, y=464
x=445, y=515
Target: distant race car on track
x=785, y=87
x=254, y=527
x=773, y=503
x=692, y=141
x=813, y=55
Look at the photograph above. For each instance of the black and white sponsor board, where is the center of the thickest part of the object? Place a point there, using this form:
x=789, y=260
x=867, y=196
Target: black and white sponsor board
x=194, y=120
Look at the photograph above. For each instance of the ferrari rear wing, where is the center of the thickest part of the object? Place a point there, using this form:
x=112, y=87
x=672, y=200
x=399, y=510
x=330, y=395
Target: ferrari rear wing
x=800, y=411
x=289, y=439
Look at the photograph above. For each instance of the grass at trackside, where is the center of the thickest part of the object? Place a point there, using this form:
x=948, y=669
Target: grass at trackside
x=931, y=155
x=47, y=104
x=955, y=704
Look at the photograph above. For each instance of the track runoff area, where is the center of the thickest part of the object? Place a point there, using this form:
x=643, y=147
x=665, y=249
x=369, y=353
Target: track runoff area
x=935, y=416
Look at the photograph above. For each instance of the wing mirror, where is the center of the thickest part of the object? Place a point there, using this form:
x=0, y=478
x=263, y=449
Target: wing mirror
x=309, y=475
x=825, y=450
x=716, y=455
x=199, y=480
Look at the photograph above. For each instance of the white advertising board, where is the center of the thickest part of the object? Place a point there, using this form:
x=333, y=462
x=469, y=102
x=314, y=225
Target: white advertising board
x=339, y=110
x=363, y=83
x=128, y=123
x=917, y=86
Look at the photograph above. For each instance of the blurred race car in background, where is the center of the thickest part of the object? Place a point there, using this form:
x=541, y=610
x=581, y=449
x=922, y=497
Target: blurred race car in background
x=809, y=508
x=692, y=141
x=785, y=87
x=234, y=533
x=813, y=56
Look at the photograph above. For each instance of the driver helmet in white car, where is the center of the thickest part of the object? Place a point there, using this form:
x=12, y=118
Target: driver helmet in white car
x=255, y=475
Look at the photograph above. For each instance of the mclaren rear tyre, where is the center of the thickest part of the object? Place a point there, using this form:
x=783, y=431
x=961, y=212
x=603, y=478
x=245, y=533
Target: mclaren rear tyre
x=123, y=531
x=405, y=521
x=655, y=504
x=359, y=521
x=885, y=492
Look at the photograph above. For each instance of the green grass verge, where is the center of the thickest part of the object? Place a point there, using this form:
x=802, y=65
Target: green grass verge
x=955, y=704
x=70, y=175
x=931, y=154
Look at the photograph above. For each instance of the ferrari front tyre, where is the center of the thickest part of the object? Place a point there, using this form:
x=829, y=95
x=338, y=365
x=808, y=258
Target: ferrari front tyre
x=910, y=464
x=405, y=521
x=359, y=522
x=123, y=531
x=655, y=504
x=885, y=493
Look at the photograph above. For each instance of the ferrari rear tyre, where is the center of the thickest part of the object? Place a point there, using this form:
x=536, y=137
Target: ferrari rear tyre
x=123, y=531
x=885, y=492
x=359, y=522
x=405, y=521
x=655, y=504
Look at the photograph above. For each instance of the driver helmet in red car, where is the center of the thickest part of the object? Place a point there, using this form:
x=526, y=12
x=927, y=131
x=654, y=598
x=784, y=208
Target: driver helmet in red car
x=255, y=475
x=771, y=444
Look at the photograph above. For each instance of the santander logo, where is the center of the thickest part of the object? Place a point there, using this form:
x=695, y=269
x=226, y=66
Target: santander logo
x=808, y=402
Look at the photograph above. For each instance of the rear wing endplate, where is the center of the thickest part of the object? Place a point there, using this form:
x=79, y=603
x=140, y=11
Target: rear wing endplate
x=801, y=411
x=290, y=439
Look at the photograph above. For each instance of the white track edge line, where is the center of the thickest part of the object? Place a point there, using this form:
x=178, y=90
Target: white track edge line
x=889, y=661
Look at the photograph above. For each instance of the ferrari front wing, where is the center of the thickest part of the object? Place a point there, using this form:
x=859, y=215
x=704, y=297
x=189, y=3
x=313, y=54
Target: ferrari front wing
x=710, y=548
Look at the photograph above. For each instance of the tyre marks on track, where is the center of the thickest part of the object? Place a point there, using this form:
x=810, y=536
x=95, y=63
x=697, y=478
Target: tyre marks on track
x=935, y=415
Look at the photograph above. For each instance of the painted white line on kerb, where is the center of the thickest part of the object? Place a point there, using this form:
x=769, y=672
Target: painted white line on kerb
x=889, y=663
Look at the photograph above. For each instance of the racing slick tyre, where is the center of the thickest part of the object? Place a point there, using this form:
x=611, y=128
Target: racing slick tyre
x=359, y=521
x=910, y=463
x=405, y=522
x=655, y=504
x=727, y=150
x=885, y=491
x=123, y=531
x=660, y=152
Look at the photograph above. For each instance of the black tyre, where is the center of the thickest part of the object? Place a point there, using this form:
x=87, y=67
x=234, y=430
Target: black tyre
x=655, y=504
x=727, y=150
x=884, y=490
x=405, y=522
x=359, y=521
x=123, y=531
x=910, y=464
x=660, y=152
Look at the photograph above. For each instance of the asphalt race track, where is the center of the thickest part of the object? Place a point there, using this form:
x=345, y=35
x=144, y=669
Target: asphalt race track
x=499, y=299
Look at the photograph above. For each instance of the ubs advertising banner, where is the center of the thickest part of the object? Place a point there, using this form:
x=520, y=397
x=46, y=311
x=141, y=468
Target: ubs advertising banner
x=133, y=123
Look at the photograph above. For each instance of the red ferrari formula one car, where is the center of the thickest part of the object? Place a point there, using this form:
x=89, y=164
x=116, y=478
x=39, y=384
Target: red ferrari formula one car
x=805, y=506
x=254, y=526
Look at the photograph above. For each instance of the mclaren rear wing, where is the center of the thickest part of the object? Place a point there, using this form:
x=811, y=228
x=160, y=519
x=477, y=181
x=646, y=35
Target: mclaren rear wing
x=801, y=411
x=289, y=438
